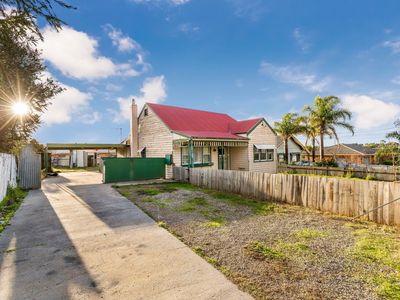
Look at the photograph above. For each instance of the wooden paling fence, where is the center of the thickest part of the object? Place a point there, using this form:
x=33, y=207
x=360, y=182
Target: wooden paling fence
x=8, y=173
x=348, y=197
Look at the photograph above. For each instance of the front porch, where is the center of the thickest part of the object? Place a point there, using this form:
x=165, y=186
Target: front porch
x=216, y=154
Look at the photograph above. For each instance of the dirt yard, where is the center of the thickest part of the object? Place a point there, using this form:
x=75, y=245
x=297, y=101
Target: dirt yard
x=275, y=251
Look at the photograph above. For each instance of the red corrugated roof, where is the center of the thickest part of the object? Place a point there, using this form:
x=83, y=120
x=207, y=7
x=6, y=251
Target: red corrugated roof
x=199, y=123
x=244, y=126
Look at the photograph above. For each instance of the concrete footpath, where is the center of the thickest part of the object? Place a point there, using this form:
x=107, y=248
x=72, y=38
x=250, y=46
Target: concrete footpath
x=79, y=239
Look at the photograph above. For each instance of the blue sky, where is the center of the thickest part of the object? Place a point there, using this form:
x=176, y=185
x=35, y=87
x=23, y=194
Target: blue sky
x=247, y=58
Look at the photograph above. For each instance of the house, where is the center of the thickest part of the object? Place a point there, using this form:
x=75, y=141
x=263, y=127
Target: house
x=296, y=150
x=350, y=154
x=203, y=139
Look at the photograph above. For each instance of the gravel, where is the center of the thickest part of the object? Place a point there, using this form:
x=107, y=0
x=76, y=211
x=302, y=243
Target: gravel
x=316, y=260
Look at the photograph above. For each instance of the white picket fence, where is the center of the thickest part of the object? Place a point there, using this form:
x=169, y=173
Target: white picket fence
x=8, y=173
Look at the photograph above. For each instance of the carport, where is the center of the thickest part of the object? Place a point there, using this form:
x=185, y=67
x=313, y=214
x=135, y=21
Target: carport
x=121, y=150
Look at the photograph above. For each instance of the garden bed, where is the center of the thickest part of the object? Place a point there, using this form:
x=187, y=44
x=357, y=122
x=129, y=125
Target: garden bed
x=276, y=251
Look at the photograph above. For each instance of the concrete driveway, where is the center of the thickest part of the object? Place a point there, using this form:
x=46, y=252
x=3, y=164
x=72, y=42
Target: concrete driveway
x=79, y=239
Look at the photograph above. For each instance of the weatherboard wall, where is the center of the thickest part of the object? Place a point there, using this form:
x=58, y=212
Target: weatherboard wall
x=155, y=136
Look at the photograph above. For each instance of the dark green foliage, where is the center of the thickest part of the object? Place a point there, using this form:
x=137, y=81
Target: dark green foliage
x=22, y=72
x=22, y=15
x=327, y=163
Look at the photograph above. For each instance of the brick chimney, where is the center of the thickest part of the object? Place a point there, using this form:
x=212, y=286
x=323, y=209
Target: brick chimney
x=134, y=130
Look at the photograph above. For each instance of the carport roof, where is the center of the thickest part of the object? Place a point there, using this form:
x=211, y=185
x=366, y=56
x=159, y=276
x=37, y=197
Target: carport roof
x=56, y=146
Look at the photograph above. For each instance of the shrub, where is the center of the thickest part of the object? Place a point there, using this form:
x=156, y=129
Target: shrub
x=327, y=163
x=370, y=177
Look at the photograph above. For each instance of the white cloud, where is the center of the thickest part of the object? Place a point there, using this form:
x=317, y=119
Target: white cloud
x=173, y=2
x=90, y=118
x=249, y=9
x=295, y=75
x=370, y=112
x=188, y=28
x=239, y=83
x=301, y=39
x=75, y=54
x=396, y=80
x=153, y=90
x=111, y=87
x=65, y=105
x=394, y=45
x=122, y=42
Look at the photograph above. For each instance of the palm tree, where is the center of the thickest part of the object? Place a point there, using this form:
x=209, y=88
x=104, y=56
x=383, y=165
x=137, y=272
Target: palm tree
x=290, y=125
x=395, y=134
x=310, y=132
x=326, y=115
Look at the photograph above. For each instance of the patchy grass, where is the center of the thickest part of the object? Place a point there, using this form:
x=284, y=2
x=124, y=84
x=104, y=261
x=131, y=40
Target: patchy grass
x=309, y=234
x=213, y=224
x=380, y=246
x=258, y=249
x=193, y=204
x=10, y=204
x=292, y=247
x=258, y=207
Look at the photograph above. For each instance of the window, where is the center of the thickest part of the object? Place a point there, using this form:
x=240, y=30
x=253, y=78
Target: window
x=146, y=112
x=201, y=155
x=185, y=156
x=197, y=155
x=206, y=154
x=261, y=153
x=270, y=154
x=143, y=152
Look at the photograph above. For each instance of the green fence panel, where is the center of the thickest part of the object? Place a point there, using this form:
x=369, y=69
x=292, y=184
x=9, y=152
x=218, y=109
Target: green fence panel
x=130, y=169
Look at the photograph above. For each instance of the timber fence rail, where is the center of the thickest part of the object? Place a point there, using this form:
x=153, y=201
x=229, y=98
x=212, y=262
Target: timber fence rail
x=8, y=173
x=347, y=197
x=386, y=174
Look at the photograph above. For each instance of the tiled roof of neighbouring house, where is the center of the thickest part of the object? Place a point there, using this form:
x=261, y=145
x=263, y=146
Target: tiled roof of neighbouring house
x=349, y=149
x=199, y=123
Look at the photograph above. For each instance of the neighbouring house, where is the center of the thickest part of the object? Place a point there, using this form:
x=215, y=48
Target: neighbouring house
x=82, y=155
x=203, y=139
x=349, y=154
x=296, y=150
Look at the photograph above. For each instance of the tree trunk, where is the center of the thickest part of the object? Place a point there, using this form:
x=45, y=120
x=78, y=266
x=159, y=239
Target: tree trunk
x=321, y=146
x=313, y=149
x=286, y=151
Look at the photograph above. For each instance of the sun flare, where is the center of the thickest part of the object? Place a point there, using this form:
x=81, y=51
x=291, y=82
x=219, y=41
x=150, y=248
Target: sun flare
x=20, y=108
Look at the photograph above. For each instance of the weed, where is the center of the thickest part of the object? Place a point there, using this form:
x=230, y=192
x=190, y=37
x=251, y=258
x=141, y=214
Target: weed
x=259, y=250
x=211, y=260
x=11, y=250
x=213, y=224
x=370, y=177
x=309, y=234
x=199, y=251
x=258, y=207
x=125, y=194
x=292, y=247
x=163, y=224
x=10, y=204
x=148, y=192
x=192, y=204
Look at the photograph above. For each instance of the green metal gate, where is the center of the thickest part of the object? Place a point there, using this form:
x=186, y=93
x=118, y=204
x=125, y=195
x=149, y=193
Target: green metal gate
x=129, y=169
